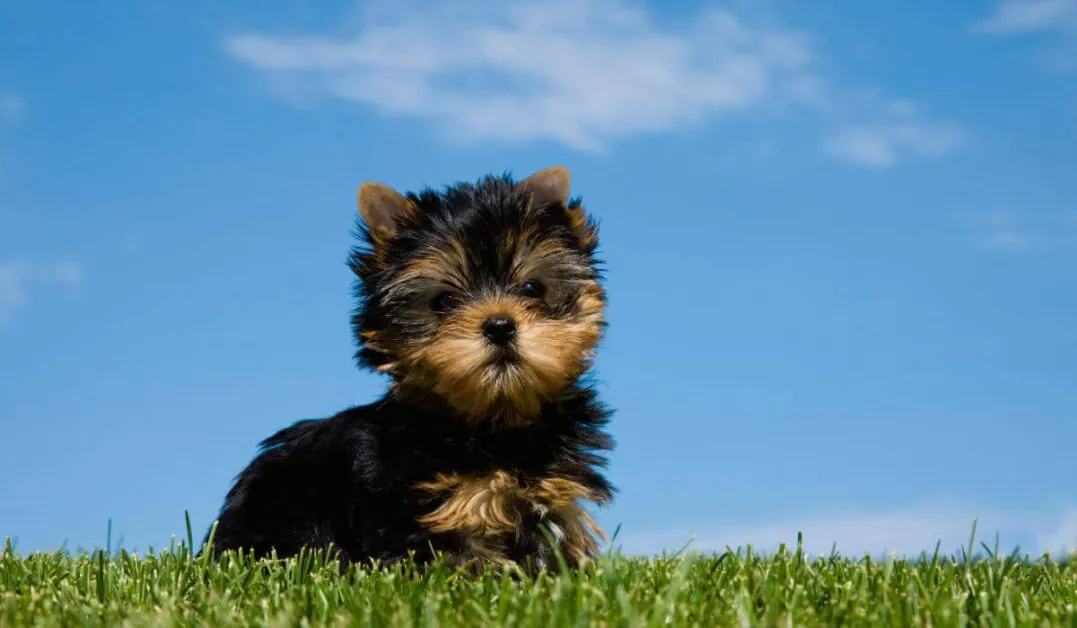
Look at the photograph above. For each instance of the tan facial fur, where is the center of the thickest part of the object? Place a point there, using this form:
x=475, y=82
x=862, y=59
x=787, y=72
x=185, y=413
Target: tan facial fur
x=461, y=366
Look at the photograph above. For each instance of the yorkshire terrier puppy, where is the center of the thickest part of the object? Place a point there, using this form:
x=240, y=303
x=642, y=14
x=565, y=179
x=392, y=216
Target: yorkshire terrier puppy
x=484, y=304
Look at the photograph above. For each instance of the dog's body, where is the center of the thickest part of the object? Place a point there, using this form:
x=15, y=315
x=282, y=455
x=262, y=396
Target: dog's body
x=377, y=481
x=483, y=304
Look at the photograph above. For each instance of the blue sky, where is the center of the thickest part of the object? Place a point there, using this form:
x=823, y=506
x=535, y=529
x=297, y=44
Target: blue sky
x=841, y=242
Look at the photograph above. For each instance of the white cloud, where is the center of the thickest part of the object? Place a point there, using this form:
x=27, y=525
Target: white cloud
x=876, y=132
x=1004, y=230
x=1051, y=23
x=1064, y=538
x=579, y=72
x=576, y=72
x=904, y=532
x=880, y=145
x=17, y=279
x=1000, y=230
x=1012, y=17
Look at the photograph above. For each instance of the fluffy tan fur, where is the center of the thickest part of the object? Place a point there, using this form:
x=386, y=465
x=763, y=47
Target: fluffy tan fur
x=484, y=511
x=457, y=363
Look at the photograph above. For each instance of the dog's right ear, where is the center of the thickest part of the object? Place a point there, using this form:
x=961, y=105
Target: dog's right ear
x=381, y=206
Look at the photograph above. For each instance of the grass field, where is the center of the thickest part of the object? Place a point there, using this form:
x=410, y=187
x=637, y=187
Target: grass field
x=172, y=587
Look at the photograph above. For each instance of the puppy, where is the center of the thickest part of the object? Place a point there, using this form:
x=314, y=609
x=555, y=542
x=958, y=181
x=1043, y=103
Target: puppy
x=483, y=303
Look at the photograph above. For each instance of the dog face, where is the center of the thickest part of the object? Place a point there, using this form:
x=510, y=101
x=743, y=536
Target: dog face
x=486, y=296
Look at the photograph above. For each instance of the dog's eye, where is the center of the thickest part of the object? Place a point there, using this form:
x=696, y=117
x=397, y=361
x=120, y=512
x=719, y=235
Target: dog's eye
x=533, y=289
x=443, y=302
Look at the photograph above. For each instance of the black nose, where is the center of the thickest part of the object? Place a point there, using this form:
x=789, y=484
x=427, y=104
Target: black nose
x=499, y=329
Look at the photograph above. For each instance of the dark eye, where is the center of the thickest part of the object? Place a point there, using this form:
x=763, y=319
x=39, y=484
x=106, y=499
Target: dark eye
x=443, y=302
x=533, y=289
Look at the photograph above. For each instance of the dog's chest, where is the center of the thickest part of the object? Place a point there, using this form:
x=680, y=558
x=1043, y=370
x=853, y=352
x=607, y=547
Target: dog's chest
x=499, y=516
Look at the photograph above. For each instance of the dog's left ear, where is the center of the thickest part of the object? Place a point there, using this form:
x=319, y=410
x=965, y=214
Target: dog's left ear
x=549, y=186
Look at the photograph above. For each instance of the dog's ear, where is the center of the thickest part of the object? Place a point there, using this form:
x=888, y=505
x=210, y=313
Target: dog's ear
x=380, y=207
x=549, y=186
x=552, y=186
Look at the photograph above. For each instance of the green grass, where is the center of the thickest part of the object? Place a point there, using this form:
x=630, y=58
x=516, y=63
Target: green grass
x=172, y=587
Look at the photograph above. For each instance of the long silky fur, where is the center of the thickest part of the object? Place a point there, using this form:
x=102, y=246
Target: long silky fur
x=482, y=477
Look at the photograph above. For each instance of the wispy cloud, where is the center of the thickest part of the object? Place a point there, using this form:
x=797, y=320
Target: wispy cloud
x=1063, y=539
x=19, y=278
x=1013, y=17
x=579, y=72
x=1011, y=231
x=874, y=131
x=880, y=145
x=1001, y=230
x=1051, y=23
x=904, y=532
